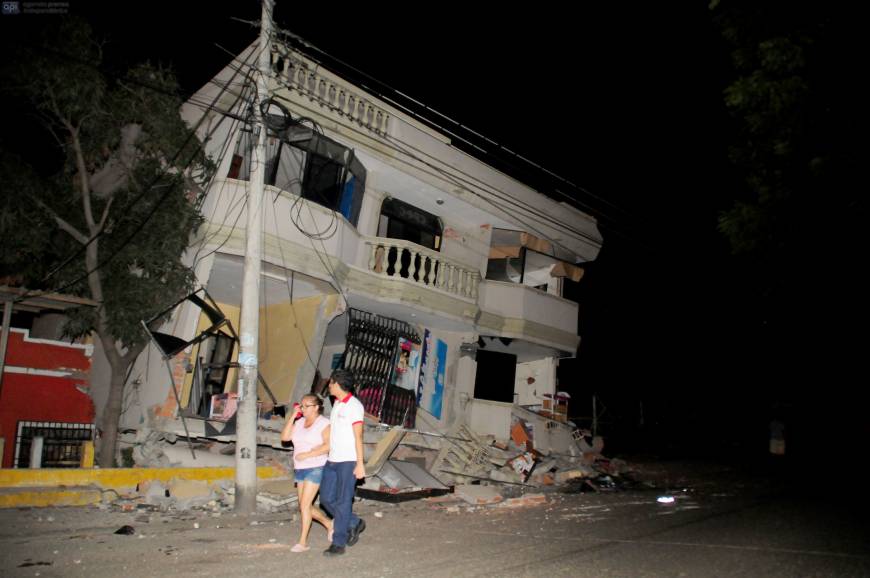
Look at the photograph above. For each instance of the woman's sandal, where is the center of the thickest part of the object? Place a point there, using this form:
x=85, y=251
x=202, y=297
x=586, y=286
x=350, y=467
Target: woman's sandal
x=300, y=548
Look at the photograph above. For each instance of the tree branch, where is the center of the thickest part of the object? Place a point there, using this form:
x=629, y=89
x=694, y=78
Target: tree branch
x=133, y=352
x=83, y=174
x=63, y=224
x=106, y=213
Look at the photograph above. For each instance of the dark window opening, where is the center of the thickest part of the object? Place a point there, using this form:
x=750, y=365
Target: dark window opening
x=61, y=443
x=306, y=163
x=495, y=377
x=400, y=220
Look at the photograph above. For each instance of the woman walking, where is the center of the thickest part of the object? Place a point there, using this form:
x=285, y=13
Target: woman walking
x=310, y=437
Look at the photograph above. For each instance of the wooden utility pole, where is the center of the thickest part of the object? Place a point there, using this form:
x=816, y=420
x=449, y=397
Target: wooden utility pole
x=249, y=326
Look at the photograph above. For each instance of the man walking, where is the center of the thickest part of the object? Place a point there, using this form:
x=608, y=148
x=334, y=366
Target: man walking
x=345, y=463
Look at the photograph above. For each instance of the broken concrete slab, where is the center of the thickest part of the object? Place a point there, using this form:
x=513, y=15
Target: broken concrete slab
x=383, y=450
x=478, y=495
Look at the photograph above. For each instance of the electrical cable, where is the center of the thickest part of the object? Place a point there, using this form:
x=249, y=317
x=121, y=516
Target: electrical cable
x=459, y=125
x=139, y=197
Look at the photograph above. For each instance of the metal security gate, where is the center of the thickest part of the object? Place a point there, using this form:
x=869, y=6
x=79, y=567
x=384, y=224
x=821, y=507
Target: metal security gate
x=371, y=353
x=62, y=443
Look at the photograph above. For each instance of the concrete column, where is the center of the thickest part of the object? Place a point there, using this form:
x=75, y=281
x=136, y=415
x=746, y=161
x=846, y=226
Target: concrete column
x=36, y=452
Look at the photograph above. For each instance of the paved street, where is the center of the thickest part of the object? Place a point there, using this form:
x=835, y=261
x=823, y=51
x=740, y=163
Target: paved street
x=725, y=523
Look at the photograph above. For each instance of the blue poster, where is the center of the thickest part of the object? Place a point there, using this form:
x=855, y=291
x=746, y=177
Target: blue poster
x=430, y=388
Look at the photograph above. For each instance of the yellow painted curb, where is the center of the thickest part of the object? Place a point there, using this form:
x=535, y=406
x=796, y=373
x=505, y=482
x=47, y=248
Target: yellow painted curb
x=118, y=478
x=44, y=497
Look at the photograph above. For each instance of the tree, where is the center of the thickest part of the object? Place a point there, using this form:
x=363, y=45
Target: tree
x=797, y=222
x=126, y=196
x=796, y=215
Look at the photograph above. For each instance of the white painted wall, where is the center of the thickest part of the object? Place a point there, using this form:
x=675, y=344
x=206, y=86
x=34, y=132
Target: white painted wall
x=490, y=417
x=467, y=244
x=516, y=301
x=543, y=371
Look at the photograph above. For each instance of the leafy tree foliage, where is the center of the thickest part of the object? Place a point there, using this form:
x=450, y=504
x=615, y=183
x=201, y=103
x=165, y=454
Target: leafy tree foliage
x=795, y=103
x=113, y=221
x=797, y=223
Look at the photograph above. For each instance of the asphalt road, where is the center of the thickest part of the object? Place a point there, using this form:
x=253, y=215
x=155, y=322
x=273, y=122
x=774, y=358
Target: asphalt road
x=722, y=522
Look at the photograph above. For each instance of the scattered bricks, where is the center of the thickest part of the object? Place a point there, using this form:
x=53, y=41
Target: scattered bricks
x=520, y=436
x=478, y=495
x=523, y=501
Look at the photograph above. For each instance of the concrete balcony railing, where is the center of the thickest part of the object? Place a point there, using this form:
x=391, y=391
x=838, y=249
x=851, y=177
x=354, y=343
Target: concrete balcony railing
x=397, y=259
x=295, y=73
x=516, y=301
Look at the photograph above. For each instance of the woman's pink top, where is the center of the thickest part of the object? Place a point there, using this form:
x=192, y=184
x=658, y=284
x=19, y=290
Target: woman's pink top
x=306, y=439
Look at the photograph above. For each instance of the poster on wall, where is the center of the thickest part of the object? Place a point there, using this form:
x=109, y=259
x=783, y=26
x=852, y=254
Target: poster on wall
x=430, y=387
x=407, y=364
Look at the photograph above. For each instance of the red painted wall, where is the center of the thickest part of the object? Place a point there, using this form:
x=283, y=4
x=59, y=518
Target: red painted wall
x=42, y=397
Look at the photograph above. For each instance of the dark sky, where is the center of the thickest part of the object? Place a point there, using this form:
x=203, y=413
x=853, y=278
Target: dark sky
x=624, y=101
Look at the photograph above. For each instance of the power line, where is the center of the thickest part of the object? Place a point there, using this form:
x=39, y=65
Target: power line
x=309, y=45
x=147, y=189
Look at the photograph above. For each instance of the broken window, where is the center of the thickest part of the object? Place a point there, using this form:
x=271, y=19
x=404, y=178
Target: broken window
x=517, y=257
x=306, y=163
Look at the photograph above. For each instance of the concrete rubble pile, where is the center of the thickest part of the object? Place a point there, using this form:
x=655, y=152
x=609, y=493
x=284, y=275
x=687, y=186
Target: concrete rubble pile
x=539, y=455
x=485, y=469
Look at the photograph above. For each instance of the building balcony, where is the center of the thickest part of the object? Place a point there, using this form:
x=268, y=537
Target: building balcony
x=523, y=312
x=395, y=258
x=387, y=276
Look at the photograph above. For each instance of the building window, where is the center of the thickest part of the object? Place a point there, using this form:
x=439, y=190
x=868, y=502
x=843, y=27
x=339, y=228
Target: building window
x=400, y=220
x=306, y=163
x=61, y=443
x=495, y=376
x=516, y=257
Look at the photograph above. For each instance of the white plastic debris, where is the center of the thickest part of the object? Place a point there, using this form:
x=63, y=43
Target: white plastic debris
x=665, y=499
x=379, y=514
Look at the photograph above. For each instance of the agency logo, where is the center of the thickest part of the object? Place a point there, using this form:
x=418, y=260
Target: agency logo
x=11, y=7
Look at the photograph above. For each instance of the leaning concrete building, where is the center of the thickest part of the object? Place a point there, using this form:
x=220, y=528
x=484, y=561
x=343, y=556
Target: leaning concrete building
x=433, y=276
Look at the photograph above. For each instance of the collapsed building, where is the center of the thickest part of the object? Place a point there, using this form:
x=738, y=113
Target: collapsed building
x=437, y=279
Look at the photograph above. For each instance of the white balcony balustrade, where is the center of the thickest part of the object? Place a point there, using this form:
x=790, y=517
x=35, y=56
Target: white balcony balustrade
x=397, y=259
x=295, y=74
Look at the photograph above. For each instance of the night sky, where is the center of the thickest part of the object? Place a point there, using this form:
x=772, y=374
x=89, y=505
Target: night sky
x=624, y=101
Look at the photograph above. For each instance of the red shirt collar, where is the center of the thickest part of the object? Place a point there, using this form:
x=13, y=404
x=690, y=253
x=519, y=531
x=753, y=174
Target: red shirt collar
x=346, y=398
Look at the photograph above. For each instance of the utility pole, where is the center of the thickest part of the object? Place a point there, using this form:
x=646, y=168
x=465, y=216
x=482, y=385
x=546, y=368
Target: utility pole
x=249, y=326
